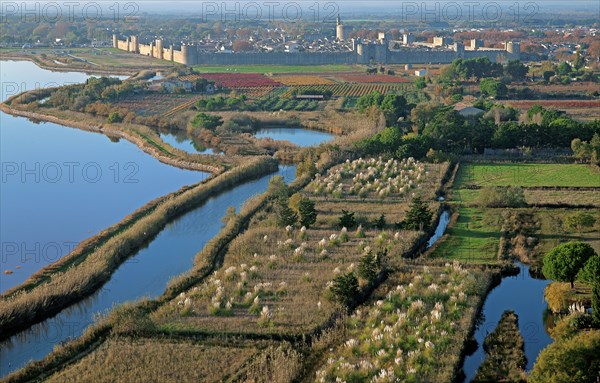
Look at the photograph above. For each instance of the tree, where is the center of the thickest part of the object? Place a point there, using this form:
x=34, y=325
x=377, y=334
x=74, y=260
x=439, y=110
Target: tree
x=447, y=126
x=502, y=196
x=285, y=215
x=368, y=267
x=564, y=68
x=420, y=83
x=345, y=289
x=394, y=106
x=548, y=74
x=590, y=273
x=206, y=121
x=114, y=117
x=569, y=360
x=380, y=222
x=564, y=261
x=492, y=88
x=418, y=216
x=516, y=70
x=347, y=220
x=307, y=212
x=242, y=46
x=277, y=187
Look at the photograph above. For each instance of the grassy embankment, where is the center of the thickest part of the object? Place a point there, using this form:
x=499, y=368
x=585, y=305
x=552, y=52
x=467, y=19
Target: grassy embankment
x=93, y=263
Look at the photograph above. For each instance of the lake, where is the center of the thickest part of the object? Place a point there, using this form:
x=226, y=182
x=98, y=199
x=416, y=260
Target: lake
x=297, y=136
x=62, y=185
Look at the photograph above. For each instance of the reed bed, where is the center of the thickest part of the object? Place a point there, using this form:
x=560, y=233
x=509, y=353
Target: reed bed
x=157, y=360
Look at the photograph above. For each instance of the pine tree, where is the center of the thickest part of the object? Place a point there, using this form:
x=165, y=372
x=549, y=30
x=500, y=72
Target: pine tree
x=285, y=215
x=368, y=267
x=345, y=289
x=308, y=213
x=380, y=222
x=418, y=216
x=347, y=219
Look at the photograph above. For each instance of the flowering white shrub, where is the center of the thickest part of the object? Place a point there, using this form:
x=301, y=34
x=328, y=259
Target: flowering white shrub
x=362, y=177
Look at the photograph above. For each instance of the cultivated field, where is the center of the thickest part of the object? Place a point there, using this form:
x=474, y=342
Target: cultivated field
x=280, y=68
x=528, y=175
x=276, y=279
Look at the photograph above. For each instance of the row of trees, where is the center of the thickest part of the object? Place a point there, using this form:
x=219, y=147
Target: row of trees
x=480, y=67
x=444, y=129
x=393, y=106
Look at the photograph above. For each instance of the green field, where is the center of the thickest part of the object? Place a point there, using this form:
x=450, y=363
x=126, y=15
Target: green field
x=554, y=231
x=278, y=68
x=473, y=238
x=488, y=174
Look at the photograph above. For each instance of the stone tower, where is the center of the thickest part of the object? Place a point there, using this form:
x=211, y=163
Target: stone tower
x=339, y=30
x=135, y=45
x=159, y=49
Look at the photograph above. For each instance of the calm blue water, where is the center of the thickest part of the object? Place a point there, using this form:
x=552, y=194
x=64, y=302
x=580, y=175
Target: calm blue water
x=61, y=185
x=525, y=296
x=144, y=275
x=297, y=136
x=183, y=142
x=440, y=229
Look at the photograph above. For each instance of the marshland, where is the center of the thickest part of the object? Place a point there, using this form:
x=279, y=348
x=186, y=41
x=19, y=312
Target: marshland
x=163, y=222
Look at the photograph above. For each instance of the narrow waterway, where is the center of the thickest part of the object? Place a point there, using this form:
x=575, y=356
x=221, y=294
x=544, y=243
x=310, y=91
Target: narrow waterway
x=524, y=295
x=61, y=185
x=298, y=136
x=145, y=274
x=440, y=229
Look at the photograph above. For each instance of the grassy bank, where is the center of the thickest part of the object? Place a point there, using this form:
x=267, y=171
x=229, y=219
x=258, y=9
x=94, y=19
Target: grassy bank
x=64, y=288
x=473, y=238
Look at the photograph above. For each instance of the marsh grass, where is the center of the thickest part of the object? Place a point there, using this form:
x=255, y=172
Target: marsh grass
x=133, y=360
